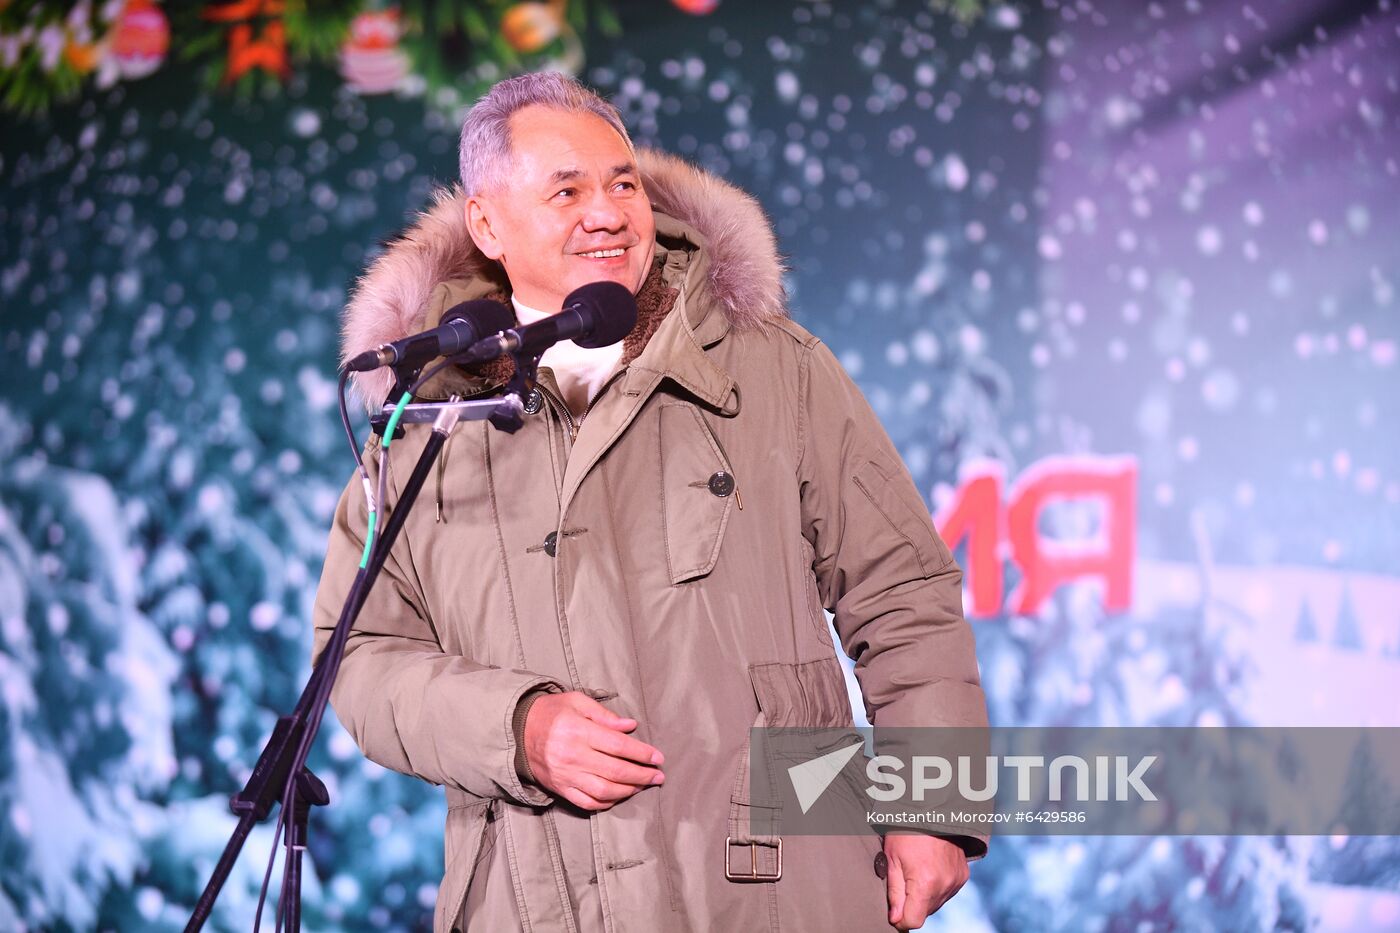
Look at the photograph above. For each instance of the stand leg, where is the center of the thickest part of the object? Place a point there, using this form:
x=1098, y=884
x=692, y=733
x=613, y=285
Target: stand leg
x=310, y=793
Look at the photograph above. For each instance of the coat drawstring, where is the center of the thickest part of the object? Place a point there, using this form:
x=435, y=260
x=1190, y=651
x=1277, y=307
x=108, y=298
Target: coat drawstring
x=441, y=466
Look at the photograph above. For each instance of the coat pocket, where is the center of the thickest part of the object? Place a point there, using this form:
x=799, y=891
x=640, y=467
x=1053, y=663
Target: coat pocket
x=807, y=695
x=893, y=498
x=466, y=825
x=697, y=492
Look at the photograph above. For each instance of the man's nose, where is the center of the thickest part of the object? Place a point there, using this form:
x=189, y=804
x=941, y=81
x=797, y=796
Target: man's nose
x=601, y=212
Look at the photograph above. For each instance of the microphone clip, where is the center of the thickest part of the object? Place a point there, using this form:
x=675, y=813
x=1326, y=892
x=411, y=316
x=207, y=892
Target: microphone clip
x=519, y=387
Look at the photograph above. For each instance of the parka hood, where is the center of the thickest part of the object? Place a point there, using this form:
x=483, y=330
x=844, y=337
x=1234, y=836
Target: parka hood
x=743, y=274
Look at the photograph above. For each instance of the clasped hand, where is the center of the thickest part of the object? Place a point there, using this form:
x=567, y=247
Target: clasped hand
x=578, y=749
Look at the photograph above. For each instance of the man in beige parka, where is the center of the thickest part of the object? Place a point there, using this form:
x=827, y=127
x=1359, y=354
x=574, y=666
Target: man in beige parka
x=575, y=638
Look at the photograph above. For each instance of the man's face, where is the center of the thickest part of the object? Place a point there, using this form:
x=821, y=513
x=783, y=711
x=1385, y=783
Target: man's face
x=571, y=209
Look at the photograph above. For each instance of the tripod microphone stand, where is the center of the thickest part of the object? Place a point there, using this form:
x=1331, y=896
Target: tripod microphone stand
x=280, y=773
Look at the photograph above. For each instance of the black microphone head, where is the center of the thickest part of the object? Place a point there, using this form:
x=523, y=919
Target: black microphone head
x=610, y=309
x=484, y=316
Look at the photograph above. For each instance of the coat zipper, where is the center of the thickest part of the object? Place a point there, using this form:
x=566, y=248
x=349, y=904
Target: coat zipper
x=557, y=405
x=563, y=409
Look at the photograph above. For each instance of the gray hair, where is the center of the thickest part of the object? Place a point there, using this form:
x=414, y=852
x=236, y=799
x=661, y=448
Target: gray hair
x=484, y=152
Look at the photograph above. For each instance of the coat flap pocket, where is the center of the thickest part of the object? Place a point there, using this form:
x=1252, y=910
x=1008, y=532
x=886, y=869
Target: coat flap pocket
x=697, y=492
x=466, y=825
x=893, y=497
x=809, y=695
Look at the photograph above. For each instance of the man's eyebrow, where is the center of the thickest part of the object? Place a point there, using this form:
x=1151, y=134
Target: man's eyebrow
x=565, y=174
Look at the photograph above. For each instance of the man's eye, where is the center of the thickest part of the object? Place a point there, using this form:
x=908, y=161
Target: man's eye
x=627, y=185
x=564, y=192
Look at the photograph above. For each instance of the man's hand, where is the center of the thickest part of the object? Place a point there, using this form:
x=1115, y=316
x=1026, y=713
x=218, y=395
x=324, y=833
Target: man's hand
x=579, y=750
x=922, y=873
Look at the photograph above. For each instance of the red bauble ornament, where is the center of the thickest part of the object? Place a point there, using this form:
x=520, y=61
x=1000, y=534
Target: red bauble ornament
x=696, y=7
x=140, y=39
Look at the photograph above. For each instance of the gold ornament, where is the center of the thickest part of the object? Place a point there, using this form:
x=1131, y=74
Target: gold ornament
x=81, y=56
x=529, y=27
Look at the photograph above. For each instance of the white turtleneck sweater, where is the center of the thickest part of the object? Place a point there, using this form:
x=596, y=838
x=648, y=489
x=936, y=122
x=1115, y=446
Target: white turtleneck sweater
x=579, y=371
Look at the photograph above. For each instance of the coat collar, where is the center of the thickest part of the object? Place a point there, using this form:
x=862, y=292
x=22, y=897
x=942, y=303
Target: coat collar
x=720, y=249
x=677, y=348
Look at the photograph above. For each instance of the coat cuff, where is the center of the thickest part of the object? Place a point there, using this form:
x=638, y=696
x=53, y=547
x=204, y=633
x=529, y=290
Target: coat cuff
x=527, y=793
x=974, y=847
x=517, y=731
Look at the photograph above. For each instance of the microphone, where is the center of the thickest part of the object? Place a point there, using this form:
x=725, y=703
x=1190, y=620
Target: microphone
x=594, y=315
x=462, y=327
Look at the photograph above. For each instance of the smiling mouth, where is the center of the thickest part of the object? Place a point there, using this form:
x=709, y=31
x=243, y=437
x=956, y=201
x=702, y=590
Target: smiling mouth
x=604, y=253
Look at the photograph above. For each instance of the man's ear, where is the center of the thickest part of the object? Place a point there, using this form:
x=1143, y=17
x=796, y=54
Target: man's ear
x=479, y=217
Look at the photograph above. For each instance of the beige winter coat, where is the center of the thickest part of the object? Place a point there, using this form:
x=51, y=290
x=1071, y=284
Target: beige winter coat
x=692, y=607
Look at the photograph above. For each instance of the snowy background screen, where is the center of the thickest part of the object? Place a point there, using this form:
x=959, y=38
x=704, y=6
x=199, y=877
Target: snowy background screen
x=1120, y=279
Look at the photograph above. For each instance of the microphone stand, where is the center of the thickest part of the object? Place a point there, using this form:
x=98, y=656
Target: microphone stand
x=269, y=779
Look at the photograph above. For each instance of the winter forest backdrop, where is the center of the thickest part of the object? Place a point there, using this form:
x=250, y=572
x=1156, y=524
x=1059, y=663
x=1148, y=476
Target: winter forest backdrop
x=1119, y=278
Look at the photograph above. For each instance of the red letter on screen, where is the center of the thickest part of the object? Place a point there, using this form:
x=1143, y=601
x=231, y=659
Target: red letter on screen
x=974, y=513
x=1047, y=563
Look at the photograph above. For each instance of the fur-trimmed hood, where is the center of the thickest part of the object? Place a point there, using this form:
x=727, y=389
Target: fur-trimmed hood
x=745, y=272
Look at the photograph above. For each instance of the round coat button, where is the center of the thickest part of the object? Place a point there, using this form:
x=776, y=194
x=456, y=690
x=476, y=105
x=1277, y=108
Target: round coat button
x=534, y=401
x=882, y=865
x=721, y=484
x=551, y=542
